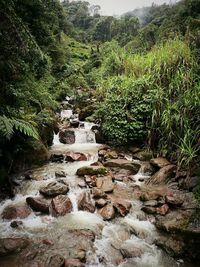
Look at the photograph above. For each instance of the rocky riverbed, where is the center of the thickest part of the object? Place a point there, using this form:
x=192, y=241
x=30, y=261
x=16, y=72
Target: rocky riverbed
x=93, y=205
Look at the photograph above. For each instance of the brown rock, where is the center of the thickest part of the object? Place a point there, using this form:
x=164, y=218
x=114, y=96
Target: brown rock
x=73, y=263
x=55, y=261
x=107, y=212
x=12, y=245
x=48, y=242
x=163, y=210
x=143, y=155
x=105, y=184
x=123, y=164
x=162, y=176
x=122, y=206
x=54, y=189
x=85, y=202
x=60, y=174
x=16, y=211
x=72, y=156
x=153, y=194
x=100, y=203
x=60, y=206
x=174, y=199
x=90, y=180
x=98, y=193
x=67, y=136
x=38, y=204
x=149, y=210
x=159, y=162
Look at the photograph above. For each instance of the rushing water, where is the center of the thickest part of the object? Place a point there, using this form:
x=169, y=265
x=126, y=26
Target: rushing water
x=110, y=236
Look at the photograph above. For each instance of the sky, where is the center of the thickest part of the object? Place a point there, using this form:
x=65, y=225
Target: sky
x=118, y=7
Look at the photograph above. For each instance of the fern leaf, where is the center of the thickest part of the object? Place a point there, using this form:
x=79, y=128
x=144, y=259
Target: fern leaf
x=25, y=128
x=6, y=127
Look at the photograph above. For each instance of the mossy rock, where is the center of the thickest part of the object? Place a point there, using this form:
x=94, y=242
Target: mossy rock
x=92, y=170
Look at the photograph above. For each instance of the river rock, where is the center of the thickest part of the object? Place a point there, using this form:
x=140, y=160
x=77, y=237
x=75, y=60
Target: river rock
x=107, y=212
x=105, y=184
x=67, y=136
x=58, y=158
x=121, y=205
x=38, y=204
x=174, y=199
x=55, y=261
x=163, y=210
x=131, y=250
x=153, y=194
x=162, y=176
x=54, y=189
x=143, y=155
x=151, y=203
x=123, y=164
x=90, y=180
x=92, y=170
x=85, y=202
x=16, y=224
x=73, y=156
x=159, y=162
x=12, y=245
x=60, y=206
x=149, y=210
x=15, y=211
x=100, y=203
x=73, y=263
x=74, y=123
x=98, y=193
x=60, y=174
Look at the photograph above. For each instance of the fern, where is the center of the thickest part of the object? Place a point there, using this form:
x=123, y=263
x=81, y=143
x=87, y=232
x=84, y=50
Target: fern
x=8, y=126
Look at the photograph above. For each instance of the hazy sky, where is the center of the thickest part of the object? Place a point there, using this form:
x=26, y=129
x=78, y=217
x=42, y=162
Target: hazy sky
x=118, y=7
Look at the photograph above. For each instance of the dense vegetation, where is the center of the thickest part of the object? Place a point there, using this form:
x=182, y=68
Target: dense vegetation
x=143, y=68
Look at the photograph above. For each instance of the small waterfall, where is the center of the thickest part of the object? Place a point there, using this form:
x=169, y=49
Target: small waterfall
x=84, y=136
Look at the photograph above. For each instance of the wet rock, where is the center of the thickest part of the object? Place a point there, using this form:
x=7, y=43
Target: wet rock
x=48, y=242
x=72, y=156
x=58, y=158
x=54, y=189
x=90, y=180
x=67, y=136
x=174, y=199
x=98, y=193
x=20, y=211
x=159, y=162
x=123, y=164
x=143, y=155
x=60, y=206
x=149, y=210
x=39, y=204
x=85, y=202
x=82, y=184
x=100, y=203
x=99, y=137
x=74, y=123
x=131, y=250
x=55, y=261
x=73, y=263
x=105, y=184
x=107, y=212
x=122, y=206
x=163, y=210
x=162, y=176
x=92, y=170
x=154, y=194
x=16, y=224
x=12, y=245
x=151, y=203
x=60, y=174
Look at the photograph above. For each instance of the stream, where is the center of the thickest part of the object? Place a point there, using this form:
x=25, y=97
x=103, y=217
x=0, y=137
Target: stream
x=66, y=233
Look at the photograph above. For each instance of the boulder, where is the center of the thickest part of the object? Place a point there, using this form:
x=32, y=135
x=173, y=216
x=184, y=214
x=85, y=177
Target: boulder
x=38, y=204
x=73, y=263
x=105, y=184
x=107, y=212
x=15, y=211
x=100, y=203
x=60, y=206
x=98, y=193
x=74, y=156
x=149, y=210
x=9, y=246
x=122, y=206
x=67, y=136
x=159, y=162
x=55, y=261
x=92, y=170
x=174, y=199
x=123, y=164
x=153, y=194
x=163, y=210
x=85, y=202
x=143, y=155
x=54, y=189
x=162, y=176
